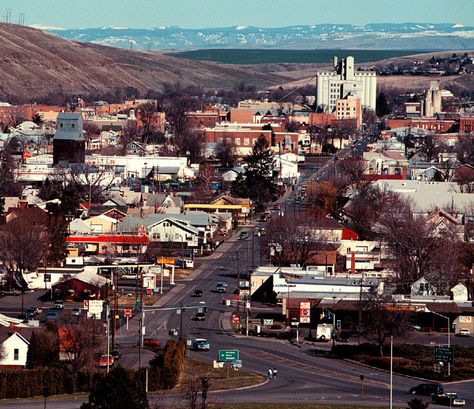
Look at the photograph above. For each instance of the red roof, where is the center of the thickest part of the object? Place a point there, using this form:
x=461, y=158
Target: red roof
x=348, y=234
x=110, y=238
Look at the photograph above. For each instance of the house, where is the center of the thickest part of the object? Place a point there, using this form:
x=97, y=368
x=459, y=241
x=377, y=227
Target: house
x=231, y=175
x=240, y=208
x=446, y=226
x=285, y=169
x=15, y=348
x=423, y=286
x=102, y=224
x=83, y=286
x=459, y=293
x=194, y=229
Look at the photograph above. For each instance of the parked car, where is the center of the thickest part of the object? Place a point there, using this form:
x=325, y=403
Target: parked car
x=464, y=333
x=344, y=336
x=116, y=355
x=58, y=305
x=200, y=316
x=151, y=342
x=449, y=399
x=32, y=312
x=243, y=235
x=51, y=316
x=77, y=312
x=427, y=389
x=197, y=293
x=105, y=360
x=201, y=344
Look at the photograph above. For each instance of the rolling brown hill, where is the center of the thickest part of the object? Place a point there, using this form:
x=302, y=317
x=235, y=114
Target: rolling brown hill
x=33, y=64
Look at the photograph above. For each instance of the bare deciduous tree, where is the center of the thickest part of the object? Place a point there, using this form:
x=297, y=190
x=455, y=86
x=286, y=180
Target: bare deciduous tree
x=293, y=239
x=381, y=319
x=80, y=340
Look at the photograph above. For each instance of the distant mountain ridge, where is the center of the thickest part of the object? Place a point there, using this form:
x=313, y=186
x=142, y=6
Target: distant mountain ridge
x=387, y=36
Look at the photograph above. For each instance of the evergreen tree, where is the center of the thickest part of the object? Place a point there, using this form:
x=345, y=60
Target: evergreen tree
x=382, y=106
x=120, y=389
x=258, y=182
x=43, y=350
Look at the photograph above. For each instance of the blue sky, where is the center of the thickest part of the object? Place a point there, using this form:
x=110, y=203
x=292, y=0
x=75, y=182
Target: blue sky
x=221, y=13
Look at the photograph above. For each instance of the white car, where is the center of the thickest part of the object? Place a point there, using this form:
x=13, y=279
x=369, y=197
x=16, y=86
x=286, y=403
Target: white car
x=201, y=344
x=464, y=333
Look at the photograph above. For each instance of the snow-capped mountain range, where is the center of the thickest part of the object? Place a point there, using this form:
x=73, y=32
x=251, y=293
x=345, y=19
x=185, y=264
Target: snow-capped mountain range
x=401, y=36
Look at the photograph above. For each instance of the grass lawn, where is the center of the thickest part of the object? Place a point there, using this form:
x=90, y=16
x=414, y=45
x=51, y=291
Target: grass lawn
x=217, y=377
x=412, y=359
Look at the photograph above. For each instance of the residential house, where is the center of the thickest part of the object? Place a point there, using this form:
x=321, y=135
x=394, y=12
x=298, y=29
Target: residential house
x=231, y=175
x=446, y=226
x=193, y=228
x=14, y=348
x=423, y=287
x=240, y=208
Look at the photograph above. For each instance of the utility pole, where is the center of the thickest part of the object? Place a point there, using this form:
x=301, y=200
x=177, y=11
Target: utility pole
x=108, y=336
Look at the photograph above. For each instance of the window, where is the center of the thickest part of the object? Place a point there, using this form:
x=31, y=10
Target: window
x=247, y=141
x=237, y=141
x=156, y=236
x=72, y=125
x=16, y=354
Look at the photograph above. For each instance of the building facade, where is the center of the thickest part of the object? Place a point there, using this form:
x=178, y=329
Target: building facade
x=342, y=81
x=69, y=143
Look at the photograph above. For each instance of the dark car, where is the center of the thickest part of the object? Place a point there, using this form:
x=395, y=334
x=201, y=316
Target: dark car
x=344, y=337
x=197, y=293
x=116, y=355
x=200, y=316
x=58, y=305
x=449, y=399
x=427, y=389
x=32, y=312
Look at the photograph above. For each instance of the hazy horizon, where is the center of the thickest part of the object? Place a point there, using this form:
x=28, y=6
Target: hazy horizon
x=190, y=14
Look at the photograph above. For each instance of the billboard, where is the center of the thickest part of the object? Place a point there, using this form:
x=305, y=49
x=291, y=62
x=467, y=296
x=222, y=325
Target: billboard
x=305, y=312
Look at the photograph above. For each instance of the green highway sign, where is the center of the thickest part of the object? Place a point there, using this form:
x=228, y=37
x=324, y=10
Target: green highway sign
x=443, y=354
x=228, y=355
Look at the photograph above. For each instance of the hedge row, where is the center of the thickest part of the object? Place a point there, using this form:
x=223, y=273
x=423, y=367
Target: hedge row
x=164, y=373
x=26, y=383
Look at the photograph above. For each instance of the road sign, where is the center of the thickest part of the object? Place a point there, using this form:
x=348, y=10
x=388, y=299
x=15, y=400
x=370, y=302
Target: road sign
x=443, y=354
x=235, y=319
x=268, y=322
x=228, y=355
x=127, y=313
x=95, y=307
x=47, y=278
x=165, y=260
x=86, y=305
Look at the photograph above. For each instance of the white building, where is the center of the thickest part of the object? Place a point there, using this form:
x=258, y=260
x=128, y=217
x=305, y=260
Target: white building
x=15, y=348
x=342, y=81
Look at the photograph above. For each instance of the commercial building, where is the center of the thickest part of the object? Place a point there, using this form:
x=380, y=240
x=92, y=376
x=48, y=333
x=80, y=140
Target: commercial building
x=343, y=81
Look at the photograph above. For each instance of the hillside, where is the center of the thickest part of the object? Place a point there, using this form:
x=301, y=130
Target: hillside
x=34, y=64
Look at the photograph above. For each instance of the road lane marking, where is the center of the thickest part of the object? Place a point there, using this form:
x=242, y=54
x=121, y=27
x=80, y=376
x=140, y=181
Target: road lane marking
x=263, y=355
